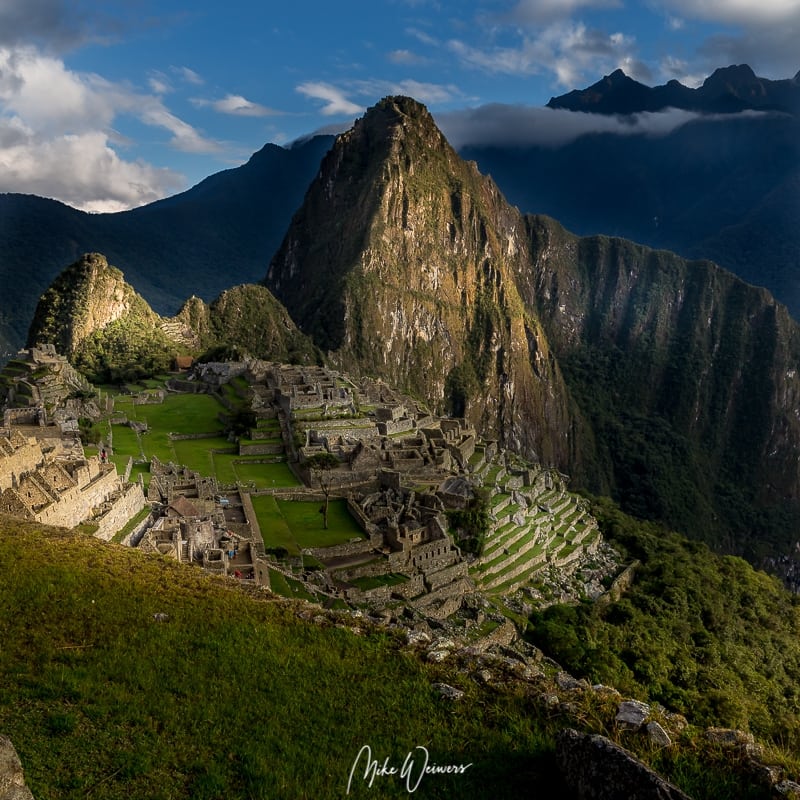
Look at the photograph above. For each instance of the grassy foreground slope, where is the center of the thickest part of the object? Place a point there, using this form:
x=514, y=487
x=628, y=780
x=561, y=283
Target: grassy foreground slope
x=232, y=696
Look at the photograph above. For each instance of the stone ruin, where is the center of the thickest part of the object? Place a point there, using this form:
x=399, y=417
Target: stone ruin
x=64, y=491
x=402, y=469
x=195, y=524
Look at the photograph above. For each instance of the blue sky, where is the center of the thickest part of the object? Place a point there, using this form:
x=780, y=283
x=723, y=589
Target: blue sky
x=109, y=105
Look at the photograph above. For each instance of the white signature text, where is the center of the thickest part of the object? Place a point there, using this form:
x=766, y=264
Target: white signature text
x=416, y=766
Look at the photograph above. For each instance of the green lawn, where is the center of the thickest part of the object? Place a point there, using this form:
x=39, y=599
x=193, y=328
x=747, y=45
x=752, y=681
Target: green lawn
x=265, y=476
x=306, y=523
x=296, y=525
x=126, y=442
x=391, y=579
x=274, y=528
x=179, y=413
x=196, y=453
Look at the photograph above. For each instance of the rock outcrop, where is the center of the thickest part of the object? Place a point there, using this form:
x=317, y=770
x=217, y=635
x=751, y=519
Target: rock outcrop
x=401, y=264
x=12, y=780
x=595, y=768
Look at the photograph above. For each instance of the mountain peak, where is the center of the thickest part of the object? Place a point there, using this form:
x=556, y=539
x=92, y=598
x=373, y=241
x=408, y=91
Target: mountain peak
x=394, y=118
x=734, y=75
x=616, y=93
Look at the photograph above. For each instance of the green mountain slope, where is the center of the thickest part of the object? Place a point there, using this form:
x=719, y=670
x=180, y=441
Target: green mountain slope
x=95, y=318
x=688, y=377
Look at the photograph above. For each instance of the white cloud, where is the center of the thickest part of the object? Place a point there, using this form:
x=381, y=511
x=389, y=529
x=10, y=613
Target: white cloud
x=423, y=36
x=521, y=126
x=57, y=137
x=763, y=34
x=335, y=100
x=407, y=57
x=419, y=90
x=184, y=137
x=739, y=12
x=79, y=169
x=188, y=75
x=159, y=83
x=681, y=71
x=55, y=21
x=569, y=50
x=237, y=105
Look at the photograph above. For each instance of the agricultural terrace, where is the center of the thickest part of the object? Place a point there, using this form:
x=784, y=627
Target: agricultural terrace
x=296, y=525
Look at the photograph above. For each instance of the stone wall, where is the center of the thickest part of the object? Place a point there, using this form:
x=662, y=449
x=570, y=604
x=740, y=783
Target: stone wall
x=621, y=584
x=414, y=586
x=17, y=456
x=349, y=548
x=395, y=426
x=260, y=449
x=433, y=555
x=438, y=578
x=21, y=416
x=361, y=518
x=124, y=507
x=176, y=437
x=76, y=504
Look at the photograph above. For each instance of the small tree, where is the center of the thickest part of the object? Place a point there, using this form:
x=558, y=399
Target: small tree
x=321, y=466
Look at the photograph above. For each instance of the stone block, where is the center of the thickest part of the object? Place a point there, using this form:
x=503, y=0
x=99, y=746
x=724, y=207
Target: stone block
x=658, y=736
x=631, y=714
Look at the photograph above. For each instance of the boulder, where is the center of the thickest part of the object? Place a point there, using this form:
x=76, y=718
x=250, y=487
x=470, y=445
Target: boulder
x=595, y=768
x=631, y=714
x=658, y=736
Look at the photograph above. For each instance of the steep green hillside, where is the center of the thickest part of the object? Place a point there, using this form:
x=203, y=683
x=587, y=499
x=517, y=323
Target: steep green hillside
x=688, y=377
x=92, y=315
x=706, y=635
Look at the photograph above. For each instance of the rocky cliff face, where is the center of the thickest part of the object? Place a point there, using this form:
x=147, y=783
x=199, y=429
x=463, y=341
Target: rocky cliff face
x=686, y=351
x=401, y=264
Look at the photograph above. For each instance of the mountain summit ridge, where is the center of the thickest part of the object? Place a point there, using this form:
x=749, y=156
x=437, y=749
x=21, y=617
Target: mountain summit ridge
x=727, y=90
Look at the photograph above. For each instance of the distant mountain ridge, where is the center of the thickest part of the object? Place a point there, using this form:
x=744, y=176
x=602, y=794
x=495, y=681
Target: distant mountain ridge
x=728, y=90
x=725, y=188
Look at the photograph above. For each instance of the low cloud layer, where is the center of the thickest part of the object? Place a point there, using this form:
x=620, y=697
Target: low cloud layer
x=521, y=126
